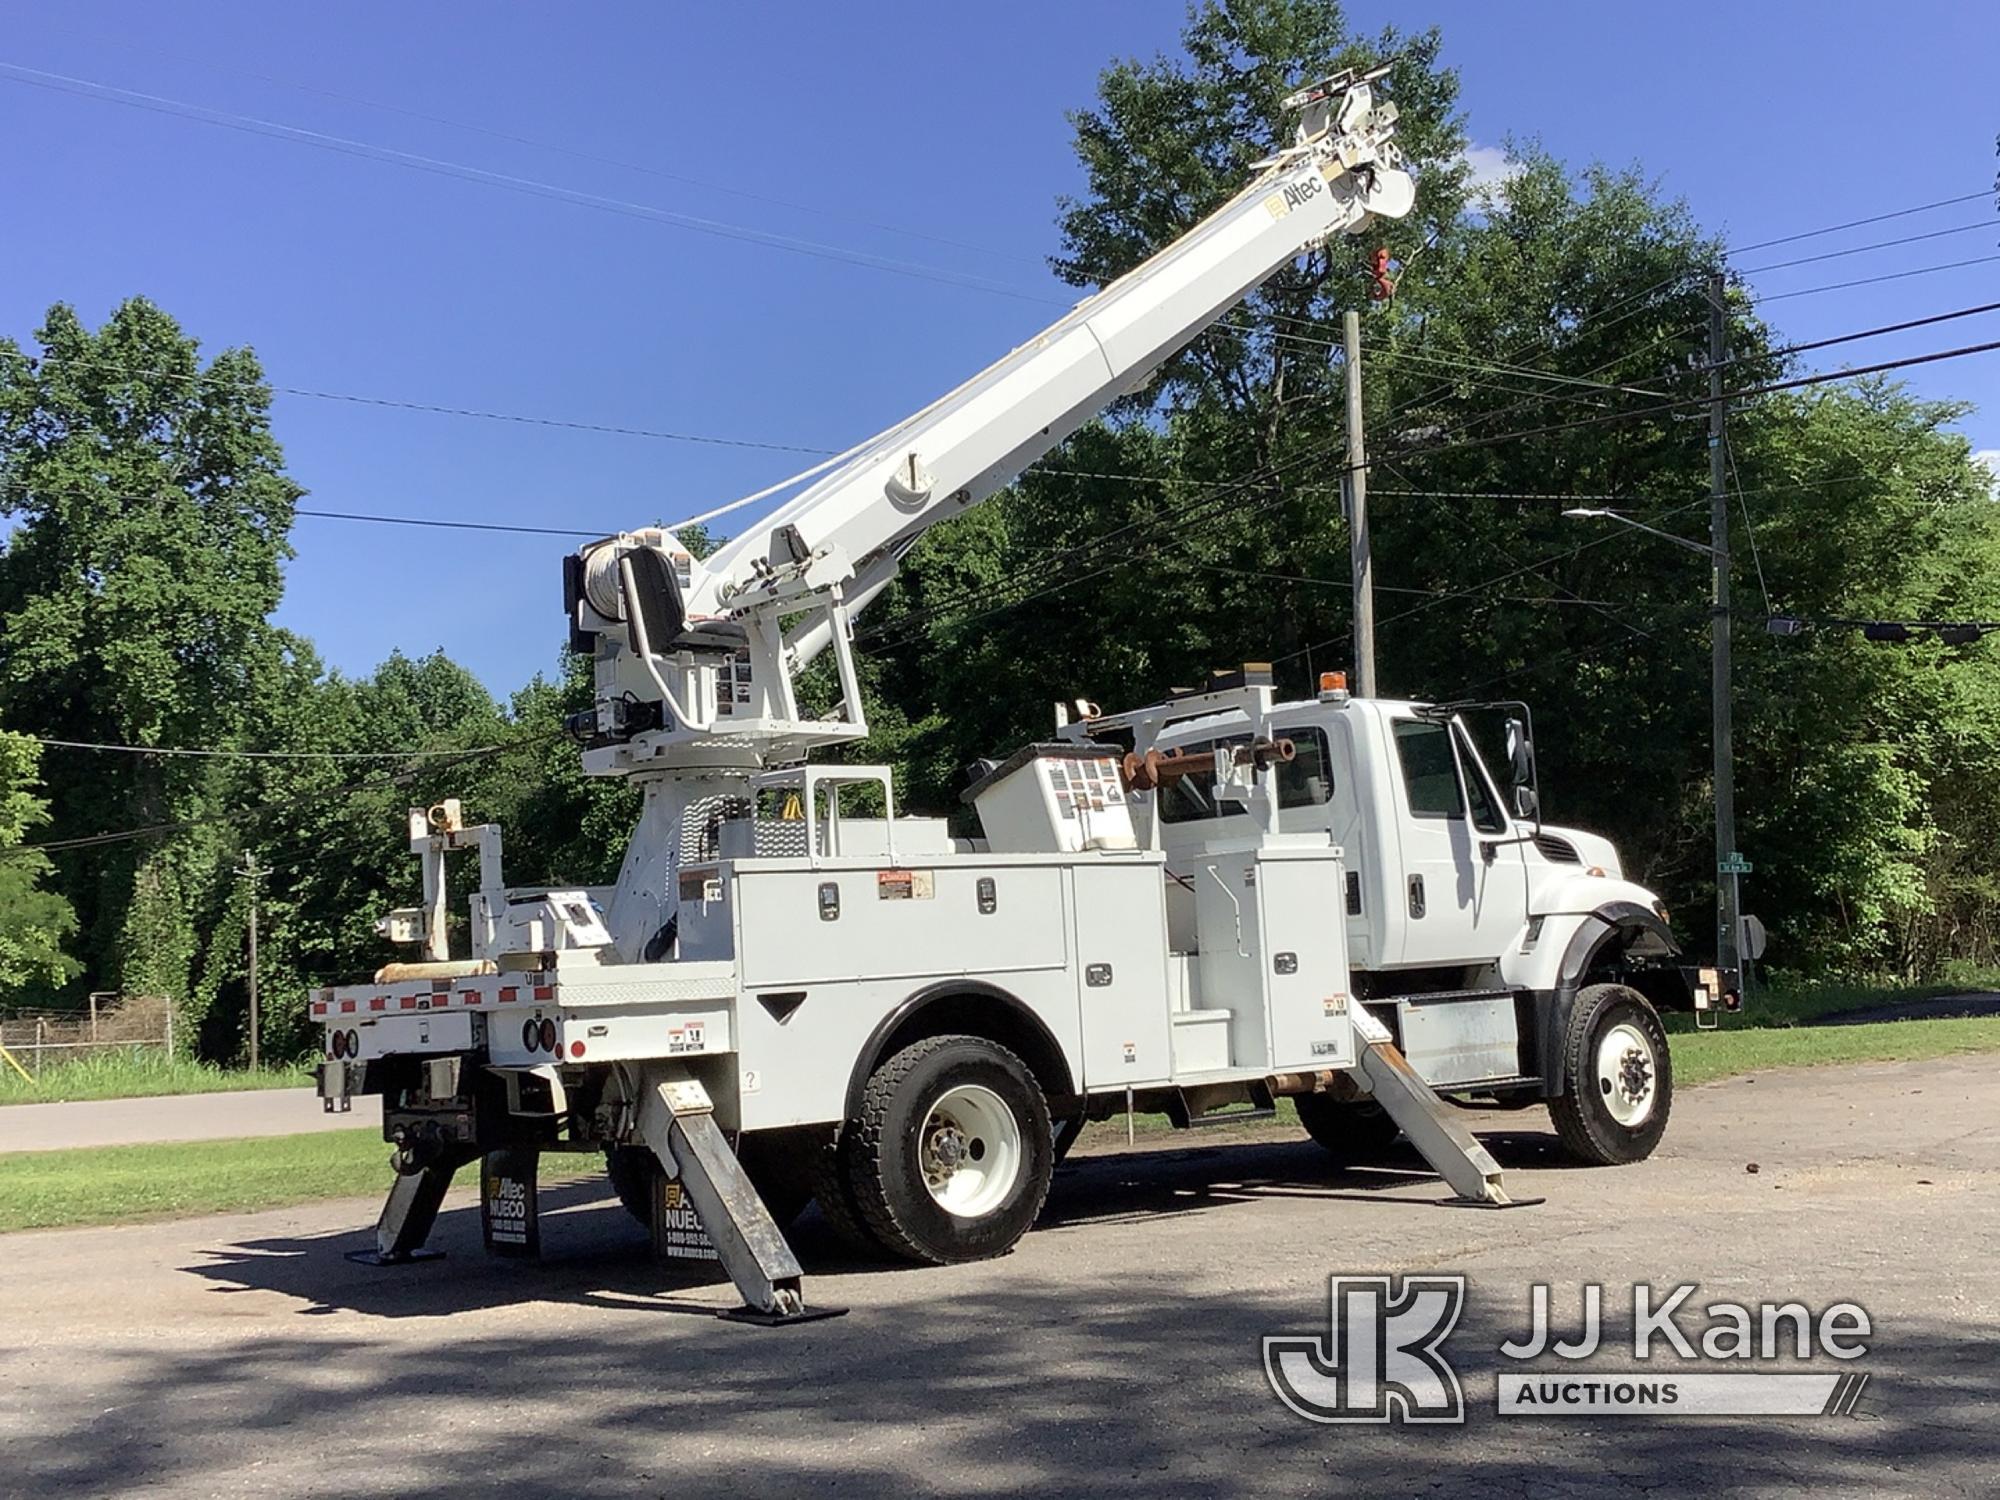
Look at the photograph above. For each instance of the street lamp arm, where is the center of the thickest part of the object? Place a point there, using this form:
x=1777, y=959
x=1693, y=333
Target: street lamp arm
x=1667, y=536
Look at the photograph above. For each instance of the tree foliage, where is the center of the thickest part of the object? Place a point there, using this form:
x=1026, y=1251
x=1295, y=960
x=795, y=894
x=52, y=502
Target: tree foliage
x=35, y=922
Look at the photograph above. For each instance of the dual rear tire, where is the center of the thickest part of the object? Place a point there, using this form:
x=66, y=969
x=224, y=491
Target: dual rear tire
x=949, y=1157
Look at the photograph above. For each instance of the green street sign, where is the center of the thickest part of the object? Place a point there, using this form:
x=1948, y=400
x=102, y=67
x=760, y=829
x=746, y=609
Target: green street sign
x=1733, y=864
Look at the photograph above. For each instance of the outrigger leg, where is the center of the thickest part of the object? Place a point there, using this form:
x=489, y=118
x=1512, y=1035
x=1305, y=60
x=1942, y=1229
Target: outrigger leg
x=677, y=1120
x=1430, y=1123
x=411, y=1210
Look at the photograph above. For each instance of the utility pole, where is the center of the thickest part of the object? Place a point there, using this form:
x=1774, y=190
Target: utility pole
x=1357, y=519
x=1729, y=864
x=250, y=872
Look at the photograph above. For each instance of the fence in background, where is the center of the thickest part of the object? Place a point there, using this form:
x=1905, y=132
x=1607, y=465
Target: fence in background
x=139, y=1023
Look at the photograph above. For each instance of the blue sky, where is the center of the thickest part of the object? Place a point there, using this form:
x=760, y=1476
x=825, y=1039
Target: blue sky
x=842, y=126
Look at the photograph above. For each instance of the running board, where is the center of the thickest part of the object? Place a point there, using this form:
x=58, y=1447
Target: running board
x=677, y=1120
x=1465, y=1165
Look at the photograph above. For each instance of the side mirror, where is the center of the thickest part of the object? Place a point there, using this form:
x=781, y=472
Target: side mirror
x=1521, y=771
x=654, y=610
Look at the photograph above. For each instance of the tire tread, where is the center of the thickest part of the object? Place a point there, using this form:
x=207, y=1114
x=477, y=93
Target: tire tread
x=1583, y=1130
x=866, y=1147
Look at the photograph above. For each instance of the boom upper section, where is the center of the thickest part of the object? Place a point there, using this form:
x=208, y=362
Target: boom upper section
x=703, y=639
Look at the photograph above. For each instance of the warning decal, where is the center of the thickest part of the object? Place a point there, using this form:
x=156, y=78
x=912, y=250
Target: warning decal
x=905, y=885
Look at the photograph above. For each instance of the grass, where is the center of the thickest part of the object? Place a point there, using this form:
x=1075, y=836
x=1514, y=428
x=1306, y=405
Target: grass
x=1798, y=1003
x=1706, y=1056
x=116, y=1184
x=137, y=1074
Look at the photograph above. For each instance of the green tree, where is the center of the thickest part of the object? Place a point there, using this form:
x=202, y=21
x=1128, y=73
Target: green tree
x=34, y=923
x=151, y=509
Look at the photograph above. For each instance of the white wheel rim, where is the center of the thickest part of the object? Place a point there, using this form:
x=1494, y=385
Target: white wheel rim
x=1628, y=1074
x=969, y=1151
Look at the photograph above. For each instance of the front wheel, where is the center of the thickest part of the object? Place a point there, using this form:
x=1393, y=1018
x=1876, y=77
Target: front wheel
x=1620, y=1075
x=951, y=1154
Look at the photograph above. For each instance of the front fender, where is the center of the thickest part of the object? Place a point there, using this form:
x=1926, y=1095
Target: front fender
x=1570, y=946
x=1573, y=893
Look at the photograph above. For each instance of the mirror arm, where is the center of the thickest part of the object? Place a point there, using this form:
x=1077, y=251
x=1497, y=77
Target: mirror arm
x=641, y=647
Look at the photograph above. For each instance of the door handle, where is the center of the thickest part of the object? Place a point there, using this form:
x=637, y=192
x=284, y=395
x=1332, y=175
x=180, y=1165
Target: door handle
x=1416, y=895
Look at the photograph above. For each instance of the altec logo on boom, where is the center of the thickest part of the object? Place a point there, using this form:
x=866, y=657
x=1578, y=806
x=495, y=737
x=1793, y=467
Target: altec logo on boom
x=1382, y=1358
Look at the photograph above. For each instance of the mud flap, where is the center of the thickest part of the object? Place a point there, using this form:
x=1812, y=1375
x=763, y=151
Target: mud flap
x=509, y=1215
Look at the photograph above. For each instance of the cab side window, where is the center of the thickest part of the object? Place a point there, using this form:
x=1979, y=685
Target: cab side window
x=1304, y=781
x=1430, y=770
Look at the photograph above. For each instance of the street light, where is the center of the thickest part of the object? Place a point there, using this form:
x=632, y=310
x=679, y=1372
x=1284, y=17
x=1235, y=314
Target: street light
x=1729, y=865
x=1581, y=514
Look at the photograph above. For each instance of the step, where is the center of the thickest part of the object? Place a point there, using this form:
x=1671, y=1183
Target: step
x=1201, y=1041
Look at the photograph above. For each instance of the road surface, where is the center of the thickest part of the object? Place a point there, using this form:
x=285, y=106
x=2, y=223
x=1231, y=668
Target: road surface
x=1117, y=1351
x=176, y=1117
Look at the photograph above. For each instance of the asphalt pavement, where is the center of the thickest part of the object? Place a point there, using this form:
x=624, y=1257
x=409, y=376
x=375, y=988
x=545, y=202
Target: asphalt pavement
x=1117, y=1351
x=176, y=1117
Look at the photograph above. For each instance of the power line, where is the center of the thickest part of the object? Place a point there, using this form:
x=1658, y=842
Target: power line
x=1384, y=588
x=207, y=61
x=217, y=754
x=349, y=515
x=1749, y=522
x=1869, y=333
x=346, y=146
x=1900, y=213
x=1169, y=481
x=1485, y=585
x=1841, y=286
x=247, y=814
x=1908, y=239
x=210, y=377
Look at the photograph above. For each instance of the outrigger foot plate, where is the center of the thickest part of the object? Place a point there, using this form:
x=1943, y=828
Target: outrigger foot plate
x=749, y=1314
x=392, y=1257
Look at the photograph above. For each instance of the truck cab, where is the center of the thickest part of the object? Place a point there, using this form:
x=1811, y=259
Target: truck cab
x=1474, y=929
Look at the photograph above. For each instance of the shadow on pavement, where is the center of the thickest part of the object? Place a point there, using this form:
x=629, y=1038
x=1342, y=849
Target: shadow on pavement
x=593, y=1252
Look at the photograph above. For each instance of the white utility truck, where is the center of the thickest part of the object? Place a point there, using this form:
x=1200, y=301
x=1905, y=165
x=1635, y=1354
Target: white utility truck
x=1214, y=900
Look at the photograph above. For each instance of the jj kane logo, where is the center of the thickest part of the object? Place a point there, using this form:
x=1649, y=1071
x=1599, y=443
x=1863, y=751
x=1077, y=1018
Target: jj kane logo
x=1382, y=1358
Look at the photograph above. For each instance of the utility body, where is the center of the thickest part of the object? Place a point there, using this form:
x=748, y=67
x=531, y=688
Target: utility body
x=794, y=993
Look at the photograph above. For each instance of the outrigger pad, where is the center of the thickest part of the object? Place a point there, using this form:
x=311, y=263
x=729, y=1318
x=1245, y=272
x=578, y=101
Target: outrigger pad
x=748, y=1314
x=392, y=1258
x=1456, y=1202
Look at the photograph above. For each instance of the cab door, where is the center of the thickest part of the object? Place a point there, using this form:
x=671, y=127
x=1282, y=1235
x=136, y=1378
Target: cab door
x=1464, y=885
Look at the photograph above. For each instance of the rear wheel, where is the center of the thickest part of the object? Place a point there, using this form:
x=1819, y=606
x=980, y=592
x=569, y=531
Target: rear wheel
x=951, y=1155
x=837, y=1204
x=1621, y=1078
x=1352, y=1132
